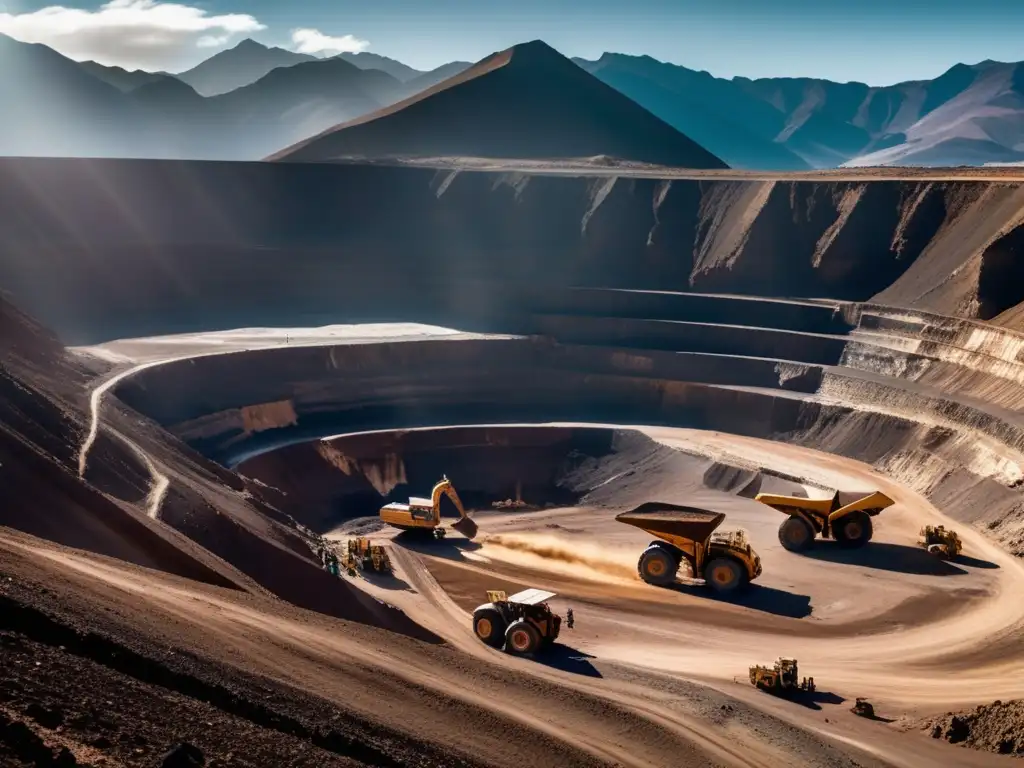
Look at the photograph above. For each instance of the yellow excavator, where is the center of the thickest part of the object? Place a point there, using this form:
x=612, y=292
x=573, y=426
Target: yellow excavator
x=424, y=515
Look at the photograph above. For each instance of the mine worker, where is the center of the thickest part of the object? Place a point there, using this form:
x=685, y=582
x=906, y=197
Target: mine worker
x=568, y=618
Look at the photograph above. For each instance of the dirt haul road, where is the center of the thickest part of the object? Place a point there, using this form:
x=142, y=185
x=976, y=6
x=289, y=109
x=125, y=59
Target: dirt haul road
x=890, y=623
x=649, y=676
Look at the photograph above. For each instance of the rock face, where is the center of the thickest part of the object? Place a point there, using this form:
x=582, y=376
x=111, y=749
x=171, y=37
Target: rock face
x=996, y=727
x=292, y=244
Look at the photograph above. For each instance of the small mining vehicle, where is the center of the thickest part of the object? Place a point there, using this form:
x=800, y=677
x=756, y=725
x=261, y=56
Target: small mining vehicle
x=783, y=678
x=941, y=542
x=846, y=518
x=362, y=554
x=521, y=623
x=724, y=560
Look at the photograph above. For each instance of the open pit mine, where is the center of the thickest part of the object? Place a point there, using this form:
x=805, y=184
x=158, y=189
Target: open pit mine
x=216, y=375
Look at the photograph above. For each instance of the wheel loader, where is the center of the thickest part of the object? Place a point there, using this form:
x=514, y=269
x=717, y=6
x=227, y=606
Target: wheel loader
x=424, y=515
x=939, y=541
x=362, y=554
x=522, y=623
x=783, y=678
x=724, y=560
x=845, y=518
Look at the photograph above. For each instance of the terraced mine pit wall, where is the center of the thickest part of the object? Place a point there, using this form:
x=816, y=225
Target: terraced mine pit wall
x=326, y=482
x=866, y=394
x=358, y=387
x=210, y=244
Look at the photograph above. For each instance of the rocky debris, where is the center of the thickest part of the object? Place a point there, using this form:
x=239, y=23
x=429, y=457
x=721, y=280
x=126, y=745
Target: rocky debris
x=996, y=727
x=184, y=755
x=21, y=745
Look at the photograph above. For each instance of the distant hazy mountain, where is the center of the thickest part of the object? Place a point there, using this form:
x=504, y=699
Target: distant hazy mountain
x=52, y=106
x=717, y=114
x=122, y=79
x=292, y=103
x=365, y=60
x=236, y=67
x=526, y=102
x=970, y=116
x=269, y=98
x=429, y=79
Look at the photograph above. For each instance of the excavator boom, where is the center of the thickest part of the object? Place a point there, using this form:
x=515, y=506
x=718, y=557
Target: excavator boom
x=465, y=525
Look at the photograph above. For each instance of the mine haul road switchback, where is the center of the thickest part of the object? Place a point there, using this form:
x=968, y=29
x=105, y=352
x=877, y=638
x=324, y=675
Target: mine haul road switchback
x=914, y=637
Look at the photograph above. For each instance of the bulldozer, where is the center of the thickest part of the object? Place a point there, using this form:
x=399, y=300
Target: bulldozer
x=362, y=554
x=725, y=560
x=942, y=543
x=522, y=623
x=845, y=518
x=424, y=515
x=782, y=679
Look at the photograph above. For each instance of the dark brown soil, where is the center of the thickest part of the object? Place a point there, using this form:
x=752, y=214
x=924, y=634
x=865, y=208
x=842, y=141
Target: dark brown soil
x=997, y=727
x=99, y=694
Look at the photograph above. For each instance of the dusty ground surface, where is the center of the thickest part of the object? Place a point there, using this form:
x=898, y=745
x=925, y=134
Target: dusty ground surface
x=879, y=623
x=647, y=677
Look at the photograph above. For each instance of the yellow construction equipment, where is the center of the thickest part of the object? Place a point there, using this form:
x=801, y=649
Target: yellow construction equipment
x=724, y=560
x=425, y=514
x=522, y=623
x=846, y=518
x=942, y=543
x=364, y=555
x=781, y=679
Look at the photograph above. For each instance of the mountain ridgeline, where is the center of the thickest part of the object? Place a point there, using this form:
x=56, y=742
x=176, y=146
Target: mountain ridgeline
x=252, y=101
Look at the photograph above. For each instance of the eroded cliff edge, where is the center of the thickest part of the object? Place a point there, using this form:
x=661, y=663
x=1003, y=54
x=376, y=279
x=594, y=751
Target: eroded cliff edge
x=99, y=249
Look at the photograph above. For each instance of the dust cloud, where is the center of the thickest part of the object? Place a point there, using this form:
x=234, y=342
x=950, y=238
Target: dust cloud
x=550, y=553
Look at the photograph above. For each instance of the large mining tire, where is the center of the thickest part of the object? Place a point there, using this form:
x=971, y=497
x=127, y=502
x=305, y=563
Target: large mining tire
x=795, y=535
x=521, y=638
x=489, y=626
x=725, y=575
x=657, y=566
x=854, y=530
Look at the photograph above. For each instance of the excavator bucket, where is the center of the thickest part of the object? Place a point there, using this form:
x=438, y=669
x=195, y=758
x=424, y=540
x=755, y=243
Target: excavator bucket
x=466, y=527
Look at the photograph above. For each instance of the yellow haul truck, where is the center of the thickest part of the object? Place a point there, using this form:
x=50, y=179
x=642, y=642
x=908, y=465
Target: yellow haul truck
x=724, y=560
x=425, y=514
x=846, y=518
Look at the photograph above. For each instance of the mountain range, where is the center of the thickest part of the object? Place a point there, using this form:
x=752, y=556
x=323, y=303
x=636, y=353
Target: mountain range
x=251, y=101
x=525, y=102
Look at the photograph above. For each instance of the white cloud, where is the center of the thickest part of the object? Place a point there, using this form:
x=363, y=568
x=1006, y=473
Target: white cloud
x=144, y=34
x=315, y=41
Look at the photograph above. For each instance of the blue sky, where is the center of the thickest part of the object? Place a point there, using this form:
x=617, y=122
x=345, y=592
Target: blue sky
x=875, y=41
